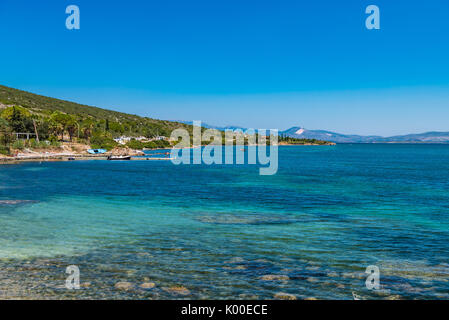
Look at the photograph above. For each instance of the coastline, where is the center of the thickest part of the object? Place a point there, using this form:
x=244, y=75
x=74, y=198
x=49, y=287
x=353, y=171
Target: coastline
x=306, y=144
x=65, y=156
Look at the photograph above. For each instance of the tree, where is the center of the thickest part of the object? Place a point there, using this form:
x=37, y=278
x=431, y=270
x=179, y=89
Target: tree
x=16, y=118
x=5, y=132
x=71, y=125
x=62, y=122
x=87, y=127
x=56, y=128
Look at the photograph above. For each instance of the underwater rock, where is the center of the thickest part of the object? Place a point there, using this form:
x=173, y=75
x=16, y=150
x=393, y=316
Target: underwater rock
x=239, y=268
x=394, y=297
x=148, y=285
x=261, y=261
x=312, y=268
x=353, y=275
x=180, y=290
x=245, y=296
x=235, y=260
x=123, y=286
x=284, y=296
x=131, y=272
x=274, y=277
x=242, y=218
x=408, y=288
x=15, y=202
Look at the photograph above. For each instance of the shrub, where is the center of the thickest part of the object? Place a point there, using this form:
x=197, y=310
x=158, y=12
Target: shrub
x=33, y=143
x=162, y=143
x=53, y=138
x=4, y=150
x=157, y=144
x=150, y=145
x=134, y=144
x=102, y=142
x=18, y=144
x=54, y=143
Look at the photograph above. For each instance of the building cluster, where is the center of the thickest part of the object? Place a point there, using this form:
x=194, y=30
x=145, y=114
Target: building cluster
x=124, y=139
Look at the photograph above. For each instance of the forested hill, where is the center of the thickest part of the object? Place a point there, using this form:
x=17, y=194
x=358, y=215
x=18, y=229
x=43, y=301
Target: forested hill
x=120, y=122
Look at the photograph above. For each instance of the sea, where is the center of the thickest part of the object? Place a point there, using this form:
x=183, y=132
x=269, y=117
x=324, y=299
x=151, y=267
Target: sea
x=350, y=221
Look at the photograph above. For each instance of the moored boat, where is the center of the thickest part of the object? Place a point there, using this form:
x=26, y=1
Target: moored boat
x=119, y=158
x=96, y=151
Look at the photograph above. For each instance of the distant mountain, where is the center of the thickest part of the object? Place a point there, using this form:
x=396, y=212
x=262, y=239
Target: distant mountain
x=302, y=133
x=441, y=137
x=428, y=137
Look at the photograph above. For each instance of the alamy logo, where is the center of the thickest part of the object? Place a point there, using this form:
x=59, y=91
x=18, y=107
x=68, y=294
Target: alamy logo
x=73, y=20
x=373, y=20
x=233, y=140
x=73, y=280
x=373, y=280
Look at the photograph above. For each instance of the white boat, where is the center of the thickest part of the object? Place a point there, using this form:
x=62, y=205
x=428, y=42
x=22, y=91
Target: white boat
x=119, y=158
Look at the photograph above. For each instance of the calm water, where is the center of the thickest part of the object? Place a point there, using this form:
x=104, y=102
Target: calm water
x=330, y=212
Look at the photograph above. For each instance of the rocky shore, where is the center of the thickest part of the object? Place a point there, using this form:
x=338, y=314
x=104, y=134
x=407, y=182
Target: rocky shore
x=65, y=152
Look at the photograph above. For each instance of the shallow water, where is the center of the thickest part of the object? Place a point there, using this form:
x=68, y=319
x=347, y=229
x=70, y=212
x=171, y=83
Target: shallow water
x=311, y=230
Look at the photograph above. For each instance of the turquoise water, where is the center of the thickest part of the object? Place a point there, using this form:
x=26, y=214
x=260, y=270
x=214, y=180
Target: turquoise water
x=330, y=212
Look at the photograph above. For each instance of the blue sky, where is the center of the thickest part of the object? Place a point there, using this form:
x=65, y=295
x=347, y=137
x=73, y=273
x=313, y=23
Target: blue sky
x=261, y=64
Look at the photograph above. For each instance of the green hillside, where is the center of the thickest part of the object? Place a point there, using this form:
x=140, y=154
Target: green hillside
x=58, y=120
x=46, y=106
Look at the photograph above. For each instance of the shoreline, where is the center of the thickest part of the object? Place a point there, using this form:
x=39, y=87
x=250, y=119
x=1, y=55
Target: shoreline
x=307, y=145
x=55, y=157
x=65, y=157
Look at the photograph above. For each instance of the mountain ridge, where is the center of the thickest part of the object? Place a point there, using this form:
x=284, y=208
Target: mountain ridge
x=425, y=137
x=325, y=135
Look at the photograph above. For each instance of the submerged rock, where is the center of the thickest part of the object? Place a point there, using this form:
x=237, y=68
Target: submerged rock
x=312, y=268
x=245, y=296
x=180, y=290
x=239, y=268
x=394, y=297
x=148, y=285
x=261, y=261
x=284, y=296
x=245, y=218
x=124, y=286
x=353, y=275
x=15, y=202
x=274, y=277
x=131, y=272
x=235, y=260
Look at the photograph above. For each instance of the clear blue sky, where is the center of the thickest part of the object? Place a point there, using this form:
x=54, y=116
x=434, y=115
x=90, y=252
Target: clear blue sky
x=261, y=64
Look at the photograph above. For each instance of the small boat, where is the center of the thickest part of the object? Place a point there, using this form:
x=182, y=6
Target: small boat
x=119, y=158
x=71, y=159
x=96, y=151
